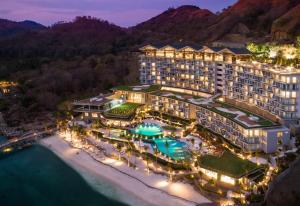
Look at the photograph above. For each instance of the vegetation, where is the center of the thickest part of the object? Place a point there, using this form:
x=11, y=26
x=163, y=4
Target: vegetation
x=123, y=110
x=282, y=54
x=228, y=164
x=261, y=121
x=168, y=127
x=172, y=166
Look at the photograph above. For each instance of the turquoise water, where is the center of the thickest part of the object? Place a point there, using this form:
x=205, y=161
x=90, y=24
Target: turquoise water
x=148, y=130
x=37, y=177
x=173, y=148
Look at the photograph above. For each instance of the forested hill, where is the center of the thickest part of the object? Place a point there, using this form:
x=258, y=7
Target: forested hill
x=11, y=28
x=247, y=20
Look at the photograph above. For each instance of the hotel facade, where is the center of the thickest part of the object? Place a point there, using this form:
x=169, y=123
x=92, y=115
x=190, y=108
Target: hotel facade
x=271, y=89
x=248, y=103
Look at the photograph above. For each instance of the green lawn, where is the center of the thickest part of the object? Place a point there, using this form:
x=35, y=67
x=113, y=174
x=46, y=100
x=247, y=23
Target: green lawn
x=123, y=110
x=228, y=164
x=263, y=122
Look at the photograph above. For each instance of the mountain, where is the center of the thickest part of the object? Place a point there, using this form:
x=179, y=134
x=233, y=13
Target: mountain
x=247, y=20
x=254, y=17
x=178, y=23
x=82, y=37
x=11, y=28
x=287, y=25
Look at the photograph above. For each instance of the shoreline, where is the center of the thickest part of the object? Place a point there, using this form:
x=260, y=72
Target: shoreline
x=141, y=187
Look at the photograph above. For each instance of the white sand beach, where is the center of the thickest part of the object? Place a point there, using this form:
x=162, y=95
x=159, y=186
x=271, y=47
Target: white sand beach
x=151, y=188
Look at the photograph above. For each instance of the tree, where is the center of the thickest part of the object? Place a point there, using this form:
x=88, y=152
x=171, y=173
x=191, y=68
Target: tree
x=193, y=141
x=146, y=148
x=156, y=154
x=119, y=149
x=169, y=166
x=128, y=152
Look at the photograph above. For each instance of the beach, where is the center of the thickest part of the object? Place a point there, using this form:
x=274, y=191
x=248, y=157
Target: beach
x=153, y=189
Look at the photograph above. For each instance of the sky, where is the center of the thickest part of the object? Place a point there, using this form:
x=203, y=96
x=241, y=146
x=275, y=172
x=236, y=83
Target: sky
x=121, y=12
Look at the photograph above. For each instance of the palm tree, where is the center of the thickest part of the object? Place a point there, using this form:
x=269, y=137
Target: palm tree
x=167, y=148
x=160, y=111
x=128, y=152
x=155, y=153
x=256, y=156
x=119, y=148
x=146, y=148
x=193, y=141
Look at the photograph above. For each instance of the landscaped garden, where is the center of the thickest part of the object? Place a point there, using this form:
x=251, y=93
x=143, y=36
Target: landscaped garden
x=178, y=96
x=125, y=110
x=228, y=164
x=231, y=112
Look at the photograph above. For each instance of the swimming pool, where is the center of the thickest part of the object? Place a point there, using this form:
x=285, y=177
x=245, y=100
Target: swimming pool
x=148, y=130
x=173, y=148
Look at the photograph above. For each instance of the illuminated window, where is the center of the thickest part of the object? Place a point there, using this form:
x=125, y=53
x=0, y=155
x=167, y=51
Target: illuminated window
x=227, y=179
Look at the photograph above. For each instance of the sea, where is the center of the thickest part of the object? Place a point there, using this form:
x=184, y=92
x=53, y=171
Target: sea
x=35, y=176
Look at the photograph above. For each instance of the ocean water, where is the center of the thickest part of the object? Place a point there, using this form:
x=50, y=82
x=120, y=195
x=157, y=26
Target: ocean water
x=37, y=177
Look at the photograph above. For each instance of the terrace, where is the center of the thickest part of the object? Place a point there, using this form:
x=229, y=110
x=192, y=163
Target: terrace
x=181, y=97
x=123, y=111
x=228, y=164
x=139, y=88
x=242, y=117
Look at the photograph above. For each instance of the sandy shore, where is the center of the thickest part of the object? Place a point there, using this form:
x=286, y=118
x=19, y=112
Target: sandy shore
x=152, y=188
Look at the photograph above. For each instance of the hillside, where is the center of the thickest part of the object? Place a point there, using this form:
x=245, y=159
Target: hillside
x=247, y=20
x=66, y=61
x=11, y=28
x=179, y=23
x=287, y=25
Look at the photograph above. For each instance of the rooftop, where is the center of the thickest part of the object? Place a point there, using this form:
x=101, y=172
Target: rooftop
x=199, y=48
x=180, y=96
x=122, y=111
x=242, y=117
x=138, y=88
x=94, y=101
x=227, y=164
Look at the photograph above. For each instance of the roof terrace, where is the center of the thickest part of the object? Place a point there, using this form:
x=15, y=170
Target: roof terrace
x=242, y=117
x=227, y=164
x=138, y=88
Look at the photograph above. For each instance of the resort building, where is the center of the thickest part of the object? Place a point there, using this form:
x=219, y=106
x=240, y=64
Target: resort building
x=221, y=89
x=269, y=90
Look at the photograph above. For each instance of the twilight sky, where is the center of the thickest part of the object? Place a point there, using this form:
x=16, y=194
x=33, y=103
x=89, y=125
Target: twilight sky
x=120, y=12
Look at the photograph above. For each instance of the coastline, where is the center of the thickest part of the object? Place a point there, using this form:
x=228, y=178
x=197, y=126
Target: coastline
x=152, y=189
